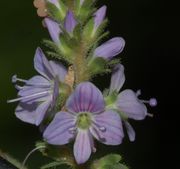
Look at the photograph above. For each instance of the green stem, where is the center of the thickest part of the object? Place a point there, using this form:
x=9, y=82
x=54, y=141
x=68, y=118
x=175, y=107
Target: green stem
x=80, y=64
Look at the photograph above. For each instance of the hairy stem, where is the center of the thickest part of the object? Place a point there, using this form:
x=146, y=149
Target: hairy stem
x=80, y=64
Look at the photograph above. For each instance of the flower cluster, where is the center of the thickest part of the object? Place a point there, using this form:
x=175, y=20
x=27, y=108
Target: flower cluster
x=64, y=100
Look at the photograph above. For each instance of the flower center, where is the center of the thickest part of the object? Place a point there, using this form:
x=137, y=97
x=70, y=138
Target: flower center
x=84, y=120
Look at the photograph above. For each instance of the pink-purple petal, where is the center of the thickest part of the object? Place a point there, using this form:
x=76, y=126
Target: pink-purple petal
x=117, y=78
x=82, y=146
x=58, y=132
x=70, y=22
x=107, y=128
x=59, y=70
x=130, y=131
x=41, y=64
x=86, y=98
x=53, y=28
x=128, y=103
x=110, y=48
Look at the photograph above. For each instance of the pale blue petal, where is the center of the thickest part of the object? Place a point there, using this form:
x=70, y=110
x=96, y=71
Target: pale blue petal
x=128, y=103
x=110, y=48
x=58, y=132
x=117, y=78
x=53, y=28
x=70, y=22
x=130, y=131
x=59, y=70
x=107, y=128
x=86, y=98
x=99, y=16
x=41, y=64
x=82, y=146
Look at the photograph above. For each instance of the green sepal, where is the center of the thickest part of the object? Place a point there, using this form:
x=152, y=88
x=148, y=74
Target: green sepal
x=57, y=14
x=99, y=30
x=57, y=52
x=61, y=154
x=111, y=99
x=85, y=11
x=53, y=165
x=88, y=31
x=106, y=162
x=97, y=65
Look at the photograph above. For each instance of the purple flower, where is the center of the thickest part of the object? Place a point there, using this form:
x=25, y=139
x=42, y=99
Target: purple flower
x=99, y=16
x=127, y=102
x=84, y=119
x=39, y=93
x=110, y=48
x=53, y=28
x=70, y=22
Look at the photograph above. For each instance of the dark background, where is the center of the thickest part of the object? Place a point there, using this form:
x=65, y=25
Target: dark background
x=151, y=55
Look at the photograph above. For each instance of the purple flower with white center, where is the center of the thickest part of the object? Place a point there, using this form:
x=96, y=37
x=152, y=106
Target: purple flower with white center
x=70, y=22
x=110, y=48
x=39, y=93
x=127, y=102
x=84, y=119
x=54, y=29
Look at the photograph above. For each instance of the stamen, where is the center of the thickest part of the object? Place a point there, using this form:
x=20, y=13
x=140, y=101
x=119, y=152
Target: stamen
x=103, y=129
x=150, y=115
x=73, y=130
x=96, y=128
x=138, y=93
x=18, y=87
x=27, y=97
x=94, y=149
x=15, y=79
x=29, y=154
x=152, y=102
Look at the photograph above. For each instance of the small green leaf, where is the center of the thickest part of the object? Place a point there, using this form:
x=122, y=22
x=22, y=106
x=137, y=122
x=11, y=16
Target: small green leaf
x=97, y=66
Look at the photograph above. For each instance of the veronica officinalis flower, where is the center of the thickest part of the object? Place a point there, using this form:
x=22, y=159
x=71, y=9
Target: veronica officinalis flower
x=40, y=92
x=126, y=102
x=85, y=117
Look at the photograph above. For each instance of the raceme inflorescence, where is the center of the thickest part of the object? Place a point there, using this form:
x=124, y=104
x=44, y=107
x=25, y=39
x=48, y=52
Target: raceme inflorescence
x=71, y=112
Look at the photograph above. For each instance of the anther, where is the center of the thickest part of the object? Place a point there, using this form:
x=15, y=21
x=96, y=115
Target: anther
x=15, y=79
x=153, y=102
x=103, y=129
x=138, y=93
x=72, y=130
x=18, y=87
x=150, y=115
x=94, y=149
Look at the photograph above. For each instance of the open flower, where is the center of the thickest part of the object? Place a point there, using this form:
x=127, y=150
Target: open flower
x=40, y=92
x=110, y=48
x=127, y=102
x=84, y=119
